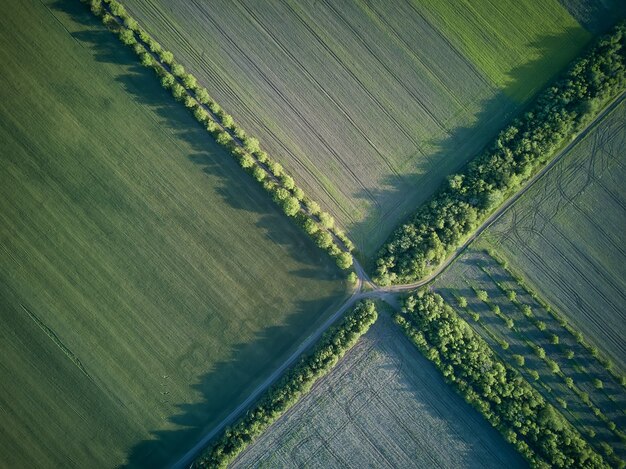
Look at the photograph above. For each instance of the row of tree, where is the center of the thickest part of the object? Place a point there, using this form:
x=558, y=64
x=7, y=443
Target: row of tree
x=443, y=223
x=291, y=387
x=501, y=394
x=606, y=362
x=246, y=149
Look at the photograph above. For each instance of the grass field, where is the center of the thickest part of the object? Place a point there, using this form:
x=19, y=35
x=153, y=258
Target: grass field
x=565, y=236
x=476, y=270
x=384, y=405
x=369, y=103
x=147, y=283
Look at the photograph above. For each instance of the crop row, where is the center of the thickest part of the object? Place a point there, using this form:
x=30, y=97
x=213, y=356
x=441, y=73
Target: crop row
x=538, y=431
x=246, y=149
x=443, y=223
x=291, y=387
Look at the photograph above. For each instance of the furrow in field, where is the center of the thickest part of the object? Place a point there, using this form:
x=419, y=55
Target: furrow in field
x=294, y=109
x=323, y=89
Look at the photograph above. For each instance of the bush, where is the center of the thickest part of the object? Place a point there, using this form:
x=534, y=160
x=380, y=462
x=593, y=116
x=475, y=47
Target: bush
x=296, y=383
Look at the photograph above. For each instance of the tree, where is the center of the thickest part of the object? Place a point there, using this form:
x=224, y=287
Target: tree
x=541, y=325
x=353, y=278
x=291, y=206
x=189, y=81
x=519, y=360
x=541, y=353
x=312, y=206
x=534, y=375
x=482, y=295
x=326, y=220
x=166, y=57
x=344, y=260
x=324, y=239
x=259, y=173
x=527, y=311
x=127, y=37
x=511, y=295
x=202, y=95
x=178, y=70
x=146, y=60
x=223, y=138
x=167, y=80
x=598, y=383
x=227, y=120
x=462, y=301
x=251, y=144
x=554, y=339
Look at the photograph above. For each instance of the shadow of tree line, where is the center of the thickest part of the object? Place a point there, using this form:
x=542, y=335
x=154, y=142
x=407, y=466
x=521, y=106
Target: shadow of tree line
x=461, y=144
x=229, y=381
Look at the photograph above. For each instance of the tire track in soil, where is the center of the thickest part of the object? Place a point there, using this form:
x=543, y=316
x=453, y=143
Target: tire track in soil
x=389, y=71
x=323, y=90
x=226, y=89
x=287, y=102
x=391, y=31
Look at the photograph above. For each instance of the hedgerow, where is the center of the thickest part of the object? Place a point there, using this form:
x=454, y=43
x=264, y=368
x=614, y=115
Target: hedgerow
x=291, y=387
x=443, y=223
x=184, y=87
x=538, y=431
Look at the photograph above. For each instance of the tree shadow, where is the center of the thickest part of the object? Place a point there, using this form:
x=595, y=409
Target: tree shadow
x=460, y=145
x=249, y=363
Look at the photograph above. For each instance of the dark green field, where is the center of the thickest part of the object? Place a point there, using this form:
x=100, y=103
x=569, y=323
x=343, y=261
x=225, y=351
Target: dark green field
x=147, y=283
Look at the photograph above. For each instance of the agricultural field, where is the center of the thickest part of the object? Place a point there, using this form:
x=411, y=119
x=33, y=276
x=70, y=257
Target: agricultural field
x=565, y=236
x=370, y=104
x=517, y=324
x=148, y=285
x=384, y=405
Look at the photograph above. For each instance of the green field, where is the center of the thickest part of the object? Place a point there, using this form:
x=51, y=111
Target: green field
x=370, y=104
x=476, y=270
x=147, y=284
x=565, y=236
x=384, y=405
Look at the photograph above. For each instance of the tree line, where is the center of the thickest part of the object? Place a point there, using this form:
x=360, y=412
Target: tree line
x=294, y=385
x=184, y=87
x=466, y=199
x=537, y=430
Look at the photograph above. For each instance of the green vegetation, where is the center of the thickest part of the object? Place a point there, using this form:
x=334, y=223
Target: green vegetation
x=546, y=25
x=504, y=397
x=440, y=226
x=184, y=87
x=146, y=288
x=383, y=405
x=554, y=354
x=291, y=387
x=564, y=238
x=371, y=104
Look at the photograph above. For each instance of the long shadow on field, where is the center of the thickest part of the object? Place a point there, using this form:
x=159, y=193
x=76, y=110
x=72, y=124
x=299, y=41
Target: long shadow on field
x=237, y=188
x=461, y=144
x=231, y=380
